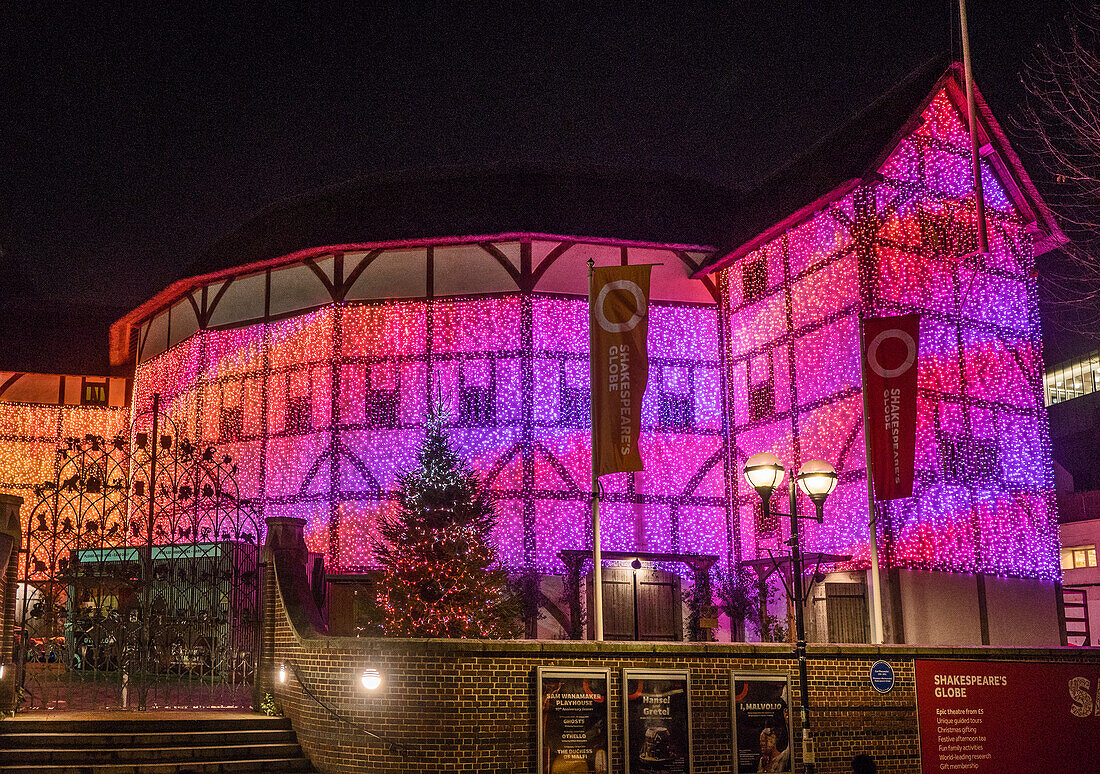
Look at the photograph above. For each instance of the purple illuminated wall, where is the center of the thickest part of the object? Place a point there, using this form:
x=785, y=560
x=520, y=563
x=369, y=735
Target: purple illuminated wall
x=983, y=501
x=322, y=411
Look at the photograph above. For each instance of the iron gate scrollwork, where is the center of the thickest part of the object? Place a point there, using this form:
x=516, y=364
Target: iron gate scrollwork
x=142, y=577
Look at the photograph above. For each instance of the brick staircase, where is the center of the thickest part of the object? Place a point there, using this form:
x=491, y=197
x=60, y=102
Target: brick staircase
x=131, y=744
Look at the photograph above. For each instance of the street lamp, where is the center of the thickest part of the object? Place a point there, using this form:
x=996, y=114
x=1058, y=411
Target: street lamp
x=817, y=479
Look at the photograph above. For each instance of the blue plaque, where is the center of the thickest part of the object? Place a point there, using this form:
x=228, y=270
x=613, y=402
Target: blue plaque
x=882, y=677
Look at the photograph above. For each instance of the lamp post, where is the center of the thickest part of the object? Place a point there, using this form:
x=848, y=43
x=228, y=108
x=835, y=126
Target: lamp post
x=817, y=479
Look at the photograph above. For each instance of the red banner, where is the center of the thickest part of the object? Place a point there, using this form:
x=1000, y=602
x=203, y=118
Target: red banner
x=889, y=349
x=993, y=717
x=619, y=323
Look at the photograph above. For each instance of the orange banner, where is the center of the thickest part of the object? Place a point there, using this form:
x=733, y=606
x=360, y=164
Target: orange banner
x=618, y=303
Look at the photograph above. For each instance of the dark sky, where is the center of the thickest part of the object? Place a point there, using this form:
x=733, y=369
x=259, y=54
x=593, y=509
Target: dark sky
x=134, y=136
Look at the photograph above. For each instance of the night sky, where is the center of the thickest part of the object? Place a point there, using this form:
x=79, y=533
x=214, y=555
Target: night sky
x=133, y=138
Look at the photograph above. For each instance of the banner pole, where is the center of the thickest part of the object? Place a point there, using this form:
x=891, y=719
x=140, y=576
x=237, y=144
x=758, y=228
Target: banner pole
x=597, y=560
x=877, y=637
x=972, y=115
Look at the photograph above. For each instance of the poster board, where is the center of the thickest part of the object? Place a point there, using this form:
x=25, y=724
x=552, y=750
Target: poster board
x=573, y=720
x=762, y=729
x=990, y=717
x=657, y=721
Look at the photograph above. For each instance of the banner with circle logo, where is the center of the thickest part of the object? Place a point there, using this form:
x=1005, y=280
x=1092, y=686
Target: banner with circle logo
x=890, y=378
x=619, y=320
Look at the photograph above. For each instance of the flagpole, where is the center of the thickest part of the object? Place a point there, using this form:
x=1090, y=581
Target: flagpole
x=597, y=560
x=877, y=637
x=972, y=115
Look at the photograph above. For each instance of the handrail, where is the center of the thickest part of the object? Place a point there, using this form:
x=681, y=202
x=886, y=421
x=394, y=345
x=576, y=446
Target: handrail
x=394, y=747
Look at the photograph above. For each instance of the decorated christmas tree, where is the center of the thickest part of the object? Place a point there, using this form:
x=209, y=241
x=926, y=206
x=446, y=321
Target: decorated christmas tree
x=440, y=575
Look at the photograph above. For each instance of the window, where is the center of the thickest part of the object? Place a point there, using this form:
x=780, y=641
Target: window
x=676, y=413
x=1078, y=557
x=762, y=401
x=676, y=404
x=382, y=408
x=475, y=407
x=969, y=460
x=299, y=411
x=232, y=423
x=754, y=280
x=475, y=393
x=574, y=394
x=382, y=399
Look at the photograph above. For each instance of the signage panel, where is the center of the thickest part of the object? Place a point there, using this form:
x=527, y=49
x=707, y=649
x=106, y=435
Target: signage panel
x=990, y=717
x=762, y=730
x=573, y=734
x=657, y=720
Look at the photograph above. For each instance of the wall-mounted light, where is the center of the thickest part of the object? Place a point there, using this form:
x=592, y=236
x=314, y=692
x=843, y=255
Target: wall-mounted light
x=1, y=671
x=371, y=679
x=282, y=673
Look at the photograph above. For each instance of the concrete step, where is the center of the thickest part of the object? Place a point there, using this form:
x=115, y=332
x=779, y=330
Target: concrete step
x=196, y=767
x=91, y=741
x=180, y=752
x=133, y=723
x=136, y=744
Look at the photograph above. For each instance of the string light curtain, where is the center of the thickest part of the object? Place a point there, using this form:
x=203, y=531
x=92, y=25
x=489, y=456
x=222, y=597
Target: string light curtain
x=322, y=411
x=983, y=497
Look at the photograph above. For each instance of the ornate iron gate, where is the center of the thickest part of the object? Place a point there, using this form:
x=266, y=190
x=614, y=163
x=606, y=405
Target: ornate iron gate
x=142, y=577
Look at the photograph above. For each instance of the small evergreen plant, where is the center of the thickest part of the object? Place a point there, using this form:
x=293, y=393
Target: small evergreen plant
x=440, y=574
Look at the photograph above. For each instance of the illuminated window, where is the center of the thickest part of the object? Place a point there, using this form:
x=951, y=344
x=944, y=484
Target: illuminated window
x=1078, y=557
x=754, y=280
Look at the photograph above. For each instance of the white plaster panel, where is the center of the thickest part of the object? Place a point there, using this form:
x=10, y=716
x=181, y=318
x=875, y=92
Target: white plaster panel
x=157, y=340
x=393, y=274
x=468, y=269
x=118, y=391
x=569, y=273
x=511, y=252
x=296, y=287
x=539, y=251
x=327, y=264
x=939, y=608
x=1022, y=612
x=72, y=390
x=671, y=279
x=31, y=388
x=184, y=323
x=243, y=300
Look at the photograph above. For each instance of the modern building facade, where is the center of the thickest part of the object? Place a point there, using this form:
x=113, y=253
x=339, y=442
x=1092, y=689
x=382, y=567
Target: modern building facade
x=310, y=344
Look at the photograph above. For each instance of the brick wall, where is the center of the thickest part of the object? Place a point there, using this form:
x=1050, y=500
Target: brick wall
x=469, y=705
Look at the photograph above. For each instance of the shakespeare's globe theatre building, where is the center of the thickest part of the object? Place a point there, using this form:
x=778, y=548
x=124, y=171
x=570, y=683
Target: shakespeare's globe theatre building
x=312, y=352
x=311, y=343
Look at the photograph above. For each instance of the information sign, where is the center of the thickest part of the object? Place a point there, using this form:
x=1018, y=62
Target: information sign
x=991, y=717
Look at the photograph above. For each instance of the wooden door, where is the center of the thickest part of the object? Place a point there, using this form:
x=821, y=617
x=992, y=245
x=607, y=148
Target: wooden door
x=639, y=605
x=846, y=612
